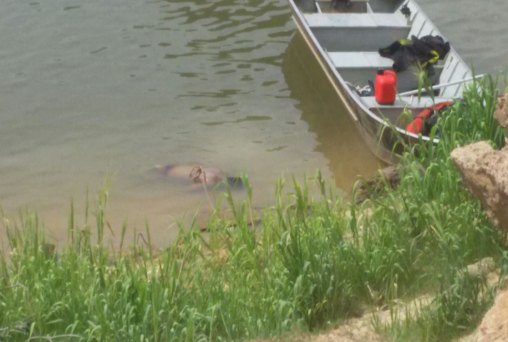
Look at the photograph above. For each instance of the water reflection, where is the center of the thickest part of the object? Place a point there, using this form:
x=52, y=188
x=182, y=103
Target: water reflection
x=338, y=139
x=115, y=87
x=223, y=30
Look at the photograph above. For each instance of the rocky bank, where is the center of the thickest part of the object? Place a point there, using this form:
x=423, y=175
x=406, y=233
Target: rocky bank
x=484, y=172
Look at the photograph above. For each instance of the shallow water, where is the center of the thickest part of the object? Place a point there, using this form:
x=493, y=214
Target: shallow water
x=94, y=91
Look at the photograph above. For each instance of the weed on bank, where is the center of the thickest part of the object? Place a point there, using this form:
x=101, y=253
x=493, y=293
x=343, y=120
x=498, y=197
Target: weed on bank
x=310, y=261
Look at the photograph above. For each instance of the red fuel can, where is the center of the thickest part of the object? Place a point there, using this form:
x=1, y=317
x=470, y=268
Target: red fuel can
x=385, y=87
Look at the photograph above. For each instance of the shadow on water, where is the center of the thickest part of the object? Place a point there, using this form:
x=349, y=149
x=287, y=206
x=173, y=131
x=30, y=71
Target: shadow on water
x=338, y=139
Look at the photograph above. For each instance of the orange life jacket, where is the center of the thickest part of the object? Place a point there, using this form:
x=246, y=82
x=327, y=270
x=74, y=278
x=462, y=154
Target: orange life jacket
x=416, y=126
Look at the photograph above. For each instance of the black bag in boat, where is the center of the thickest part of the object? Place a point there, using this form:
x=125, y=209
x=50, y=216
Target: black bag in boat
x=424, y=51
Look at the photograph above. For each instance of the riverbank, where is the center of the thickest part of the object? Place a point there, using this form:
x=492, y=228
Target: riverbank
x=306, y=264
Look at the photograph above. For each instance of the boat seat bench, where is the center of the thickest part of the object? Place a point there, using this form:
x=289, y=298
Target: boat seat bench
x=357, y=31
x=360, y=66
x=360, y=59
x=374, y=20
x=354, y=6
x=404, y=102
x=364, y=59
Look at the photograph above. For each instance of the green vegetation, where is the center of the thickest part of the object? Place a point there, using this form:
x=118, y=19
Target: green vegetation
x=308, y=263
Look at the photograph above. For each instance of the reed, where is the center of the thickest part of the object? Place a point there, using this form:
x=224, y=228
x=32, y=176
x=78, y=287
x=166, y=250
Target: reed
x=310, y=261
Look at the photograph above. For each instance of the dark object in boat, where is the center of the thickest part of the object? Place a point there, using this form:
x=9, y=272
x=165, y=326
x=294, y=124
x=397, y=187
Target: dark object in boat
x=424, y=51
x=366, y=90
x=406, y=11
x=338, y=3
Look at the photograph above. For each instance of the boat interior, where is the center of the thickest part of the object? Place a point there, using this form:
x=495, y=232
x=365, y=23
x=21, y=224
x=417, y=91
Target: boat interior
x=351, y=33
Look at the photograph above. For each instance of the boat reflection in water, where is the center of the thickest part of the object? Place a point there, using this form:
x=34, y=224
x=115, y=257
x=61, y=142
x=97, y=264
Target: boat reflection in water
x=338, y=138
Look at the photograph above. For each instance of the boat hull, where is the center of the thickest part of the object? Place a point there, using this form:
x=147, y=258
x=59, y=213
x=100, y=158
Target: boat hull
x=385, y=139
x=383, y=142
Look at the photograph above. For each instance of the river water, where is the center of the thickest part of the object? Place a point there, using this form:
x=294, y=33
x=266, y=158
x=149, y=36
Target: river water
x=100, y=91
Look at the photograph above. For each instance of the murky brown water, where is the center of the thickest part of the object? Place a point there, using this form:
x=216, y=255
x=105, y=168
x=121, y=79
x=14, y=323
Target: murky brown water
x=102, y=89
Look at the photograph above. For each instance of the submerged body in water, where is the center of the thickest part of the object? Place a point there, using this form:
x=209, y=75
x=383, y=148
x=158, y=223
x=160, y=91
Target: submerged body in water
x=199, y=174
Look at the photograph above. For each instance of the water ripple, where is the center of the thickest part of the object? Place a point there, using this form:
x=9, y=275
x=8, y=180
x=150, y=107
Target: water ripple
x=225, y=49
x=226, y=23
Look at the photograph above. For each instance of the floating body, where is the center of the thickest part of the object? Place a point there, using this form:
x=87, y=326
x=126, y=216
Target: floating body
x=199, y=174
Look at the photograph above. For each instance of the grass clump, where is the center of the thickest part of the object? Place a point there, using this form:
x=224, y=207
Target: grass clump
x=450, y=229
x=457, y=308
x=309, y=262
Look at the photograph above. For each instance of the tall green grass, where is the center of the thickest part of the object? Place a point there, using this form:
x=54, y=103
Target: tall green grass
x=451, y=229
x=312, y=260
